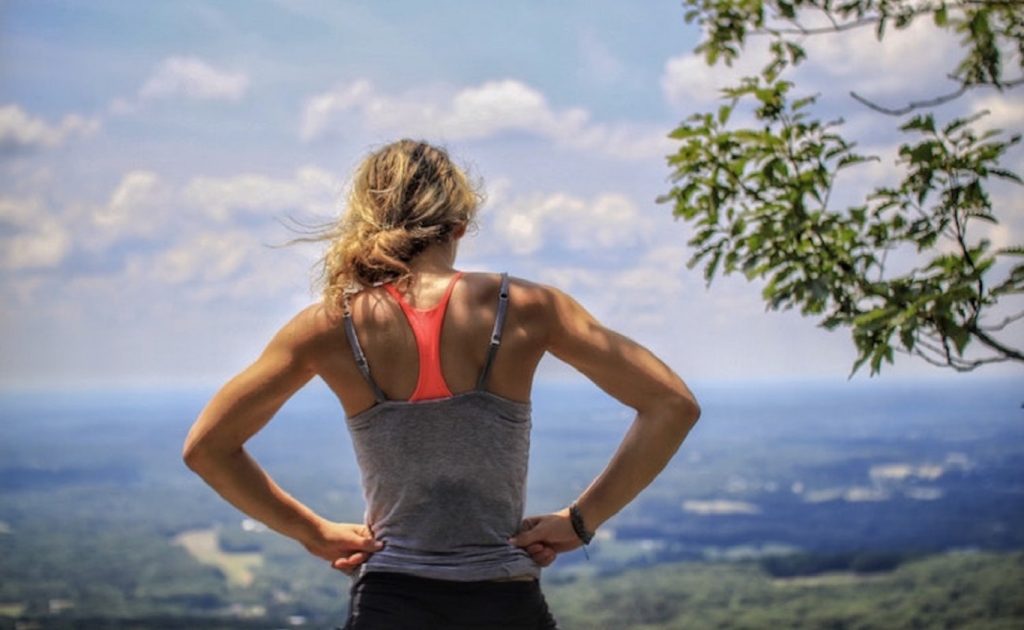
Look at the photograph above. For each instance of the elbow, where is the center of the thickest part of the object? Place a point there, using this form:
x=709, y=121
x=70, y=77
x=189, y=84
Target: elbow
x=696, y=410
x=197, y=456
x=204, y=456
x=192, y=455
x=684, y=409
x=677, y=412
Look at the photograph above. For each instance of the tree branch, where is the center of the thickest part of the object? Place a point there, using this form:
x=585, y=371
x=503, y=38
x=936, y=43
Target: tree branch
x=838, y=27
x=961, y=366
x=958, y=364
x=1002, y=324
x=957, y=367
x=993, y=343
x=932, y=102
x=960, y=225
x=799, y=29
x=934, y=348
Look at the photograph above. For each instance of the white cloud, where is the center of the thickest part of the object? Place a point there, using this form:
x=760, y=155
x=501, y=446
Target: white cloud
x=720, y=506
x=924, y=493
x=21, y=131
x=208, y=257
x=497, y=106
x=144, y=205
x=188, y=78
x=135, y=206
x=910, y=63
x=600, y=64
x=688, y=82
x=312, y=189
x=193, y=78
x=860, y=494
x=648, y=293
x=1005, y=111
x=623, y=140
x=902, y=471
x=608, y=220
x=472, y=113
x=216, y=264
x=39, y=239
x=321, y=109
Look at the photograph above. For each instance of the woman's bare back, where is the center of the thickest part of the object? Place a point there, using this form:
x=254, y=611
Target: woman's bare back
x=390, y=346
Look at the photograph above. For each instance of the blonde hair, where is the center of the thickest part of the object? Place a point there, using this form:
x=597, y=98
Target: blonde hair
x=403, y=197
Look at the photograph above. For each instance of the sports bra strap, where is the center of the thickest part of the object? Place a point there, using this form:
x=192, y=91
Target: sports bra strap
x=357, y=351
x=499, y=323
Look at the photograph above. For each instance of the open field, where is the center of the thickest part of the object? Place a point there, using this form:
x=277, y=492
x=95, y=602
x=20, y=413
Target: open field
x=202, y=544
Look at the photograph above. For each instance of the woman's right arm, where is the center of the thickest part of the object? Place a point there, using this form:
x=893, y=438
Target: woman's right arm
x=666, y=411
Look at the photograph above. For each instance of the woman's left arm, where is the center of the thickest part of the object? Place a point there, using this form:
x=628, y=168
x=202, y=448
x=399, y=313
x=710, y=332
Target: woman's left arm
x=214, y=448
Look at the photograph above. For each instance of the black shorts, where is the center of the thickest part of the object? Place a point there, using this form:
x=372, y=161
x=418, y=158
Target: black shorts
x=382, y=600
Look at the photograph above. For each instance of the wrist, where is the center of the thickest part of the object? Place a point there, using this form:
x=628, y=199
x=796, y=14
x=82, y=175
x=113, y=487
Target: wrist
x=593, y=517
x=311, y=531
x=584, y=531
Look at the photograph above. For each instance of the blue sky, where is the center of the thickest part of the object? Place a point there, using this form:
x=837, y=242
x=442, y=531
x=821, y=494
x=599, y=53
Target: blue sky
x=147, y=151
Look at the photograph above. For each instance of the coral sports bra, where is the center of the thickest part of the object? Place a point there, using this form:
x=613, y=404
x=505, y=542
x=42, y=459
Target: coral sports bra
x=426, y=327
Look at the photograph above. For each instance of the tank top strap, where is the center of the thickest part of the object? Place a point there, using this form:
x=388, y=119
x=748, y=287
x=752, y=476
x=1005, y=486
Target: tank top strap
x=357, y=352
x=499, y=324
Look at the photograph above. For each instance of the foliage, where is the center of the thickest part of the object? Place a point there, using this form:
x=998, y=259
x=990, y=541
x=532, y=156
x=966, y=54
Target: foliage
x=975, y=590
x=809, y=563
x=760, y=197
x=104, y=545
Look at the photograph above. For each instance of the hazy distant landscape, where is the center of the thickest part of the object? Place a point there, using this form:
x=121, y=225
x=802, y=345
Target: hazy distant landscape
x=791, y=504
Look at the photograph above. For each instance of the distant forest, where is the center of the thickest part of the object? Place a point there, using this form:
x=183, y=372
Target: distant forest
x=981, y=591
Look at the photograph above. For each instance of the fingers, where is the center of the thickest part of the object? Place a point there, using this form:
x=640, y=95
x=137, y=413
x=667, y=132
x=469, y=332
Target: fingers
x=529, y=523
x=528, y=532
x=547, y=558
x=369, y=544
x=541, y=554
x=350, y=562
x=358, y=537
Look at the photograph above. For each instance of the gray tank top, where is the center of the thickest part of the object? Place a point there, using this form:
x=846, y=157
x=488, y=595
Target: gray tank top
x=445, y=479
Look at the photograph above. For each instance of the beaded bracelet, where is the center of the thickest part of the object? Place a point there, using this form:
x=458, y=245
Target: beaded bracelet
x=577, y=525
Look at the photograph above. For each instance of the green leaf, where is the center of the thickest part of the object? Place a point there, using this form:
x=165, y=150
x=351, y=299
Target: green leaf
x=684, y=132
x=873, y=318
x=856, y=366
x=723, y=114
x=960, y=338
x=709, y=270
x=1005, y=174
x=984, y=216
x=907, y=337
x=801, y=103
x=925, y=122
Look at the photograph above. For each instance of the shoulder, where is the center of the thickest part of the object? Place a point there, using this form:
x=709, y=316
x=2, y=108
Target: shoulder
x=543, y=308
x=523, y=293
x=306, y=332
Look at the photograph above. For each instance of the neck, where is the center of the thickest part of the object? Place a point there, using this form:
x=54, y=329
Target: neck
x=436, y=259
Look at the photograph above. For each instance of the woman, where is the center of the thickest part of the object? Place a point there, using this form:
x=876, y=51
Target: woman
x=433, y=367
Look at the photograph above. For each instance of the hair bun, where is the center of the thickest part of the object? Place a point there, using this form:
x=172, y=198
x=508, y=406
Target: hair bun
x=404, y=197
